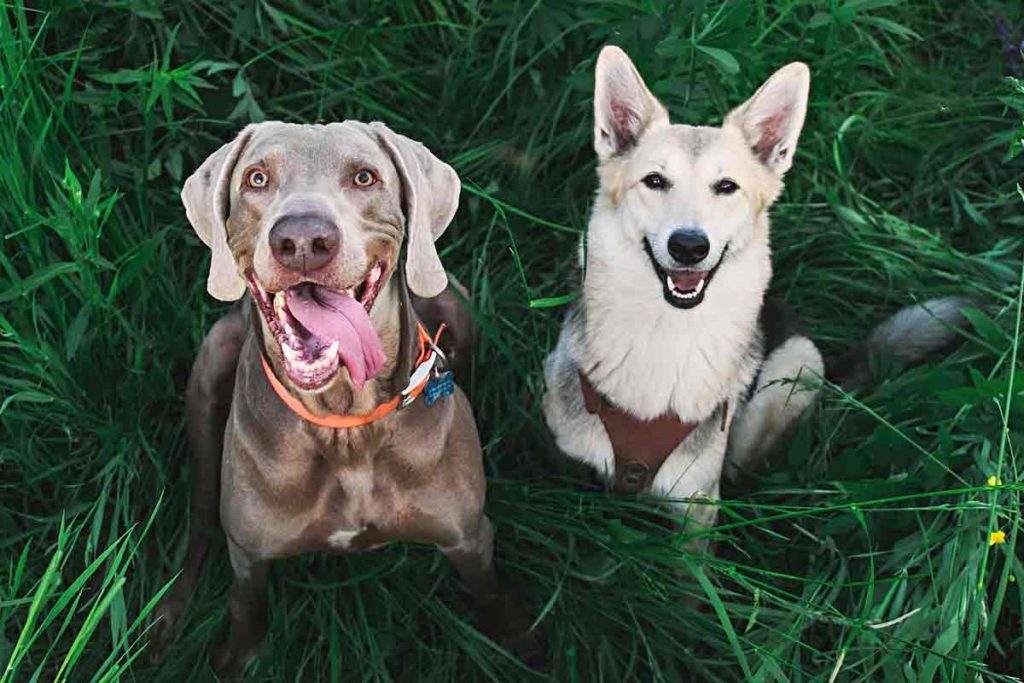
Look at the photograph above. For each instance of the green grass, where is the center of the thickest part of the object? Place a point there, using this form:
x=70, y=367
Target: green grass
x=861, y=553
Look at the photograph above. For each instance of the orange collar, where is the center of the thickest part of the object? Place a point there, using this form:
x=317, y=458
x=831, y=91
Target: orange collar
x=417, y=381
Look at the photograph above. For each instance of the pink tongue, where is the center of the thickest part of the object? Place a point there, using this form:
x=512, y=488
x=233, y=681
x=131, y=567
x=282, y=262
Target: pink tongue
x=686, y=280
x=332, y=316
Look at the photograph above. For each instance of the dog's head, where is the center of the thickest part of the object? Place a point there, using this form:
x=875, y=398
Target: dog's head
x=690, y=196
x=311, y=219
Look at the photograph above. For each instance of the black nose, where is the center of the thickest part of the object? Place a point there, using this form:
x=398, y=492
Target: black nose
x=304, y=242
x=688, y=246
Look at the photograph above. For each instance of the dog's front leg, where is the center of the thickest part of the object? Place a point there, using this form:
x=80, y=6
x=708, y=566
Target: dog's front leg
x=500, y=617
x=248, y=613
x=207, y=404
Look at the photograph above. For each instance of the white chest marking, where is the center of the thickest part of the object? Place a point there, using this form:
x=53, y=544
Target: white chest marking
x=343, y=537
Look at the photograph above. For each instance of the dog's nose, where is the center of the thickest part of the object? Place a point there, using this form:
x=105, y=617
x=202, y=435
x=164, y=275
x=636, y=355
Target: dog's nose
x=304, y=242
x=688, y=246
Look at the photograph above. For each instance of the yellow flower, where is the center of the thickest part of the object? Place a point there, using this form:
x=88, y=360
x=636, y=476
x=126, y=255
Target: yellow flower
x=997, y=537
x=994, y=481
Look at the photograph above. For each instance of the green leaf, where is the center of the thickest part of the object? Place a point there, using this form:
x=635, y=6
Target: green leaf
x=985, y=327
x=37, y=279
x=28, y=396
x=722, y=59
x=820, y=19
x=554, y=301
x=75, y=332
x=123, y=76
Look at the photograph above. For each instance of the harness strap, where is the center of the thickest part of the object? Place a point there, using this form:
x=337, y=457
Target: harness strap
x=640, y=446
x=417, y=382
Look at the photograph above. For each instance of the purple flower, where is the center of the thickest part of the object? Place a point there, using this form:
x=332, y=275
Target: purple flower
x=1013, y=46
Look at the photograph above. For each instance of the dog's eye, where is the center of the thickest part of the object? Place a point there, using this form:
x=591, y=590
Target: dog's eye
x=655, y=181
x=725, y=186
x=364, y=178
x=257, y=178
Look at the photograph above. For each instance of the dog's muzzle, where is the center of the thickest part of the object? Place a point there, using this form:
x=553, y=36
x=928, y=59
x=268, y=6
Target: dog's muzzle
x=685, y=288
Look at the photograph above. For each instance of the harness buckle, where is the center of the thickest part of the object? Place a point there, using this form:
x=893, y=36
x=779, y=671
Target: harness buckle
x=634, y=475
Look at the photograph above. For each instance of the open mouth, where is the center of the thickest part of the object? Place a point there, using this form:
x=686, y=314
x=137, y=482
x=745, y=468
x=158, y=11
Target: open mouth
x=683, y=288
x=320, y=330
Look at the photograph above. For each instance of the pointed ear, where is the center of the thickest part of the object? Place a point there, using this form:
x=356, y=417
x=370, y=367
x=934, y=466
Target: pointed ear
x=771, y=120
x=430, y=192
x=623, y=106
x=207, y=199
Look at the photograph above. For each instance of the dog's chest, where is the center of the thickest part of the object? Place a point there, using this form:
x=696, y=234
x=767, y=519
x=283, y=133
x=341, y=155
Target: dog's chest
x=358, y=505
x=650, y=364
x=316, y=494
x=356, y=509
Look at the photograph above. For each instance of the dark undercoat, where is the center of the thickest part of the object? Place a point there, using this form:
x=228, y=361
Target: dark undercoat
x=777, y=323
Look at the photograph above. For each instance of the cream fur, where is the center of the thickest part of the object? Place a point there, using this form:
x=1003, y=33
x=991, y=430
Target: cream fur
x=789, y=383
x=644, y=355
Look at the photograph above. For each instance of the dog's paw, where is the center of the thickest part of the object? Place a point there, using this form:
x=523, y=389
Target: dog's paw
x=528, y=647
x=163, y=623
x=232, y=657
x=501, y=620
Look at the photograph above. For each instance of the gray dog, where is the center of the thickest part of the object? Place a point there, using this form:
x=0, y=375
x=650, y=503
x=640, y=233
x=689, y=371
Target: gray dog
x=343, y=430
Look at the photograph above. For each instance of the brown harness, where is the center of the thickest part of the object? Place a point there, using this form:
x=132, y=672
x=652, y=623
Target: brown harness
x=640, y=446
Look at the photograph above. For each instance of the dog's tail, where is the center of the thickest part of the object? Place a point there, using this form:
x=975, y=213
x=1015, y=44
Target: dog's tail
x=910, y=336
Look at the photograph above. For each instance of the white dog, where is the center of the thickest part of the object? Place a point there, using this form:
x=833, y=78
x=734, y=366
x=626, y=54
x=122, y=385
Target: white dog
x=673, y=363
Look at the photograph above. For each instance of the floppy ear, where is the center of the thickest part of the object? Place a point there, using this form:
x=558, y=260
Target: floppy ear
x=771, y=120
x=207, y=199
x=623, y=106
x=430, y=189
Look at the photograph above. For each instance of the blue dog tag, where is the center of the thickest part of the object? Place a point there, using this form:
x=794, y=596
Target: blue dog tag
x=440, y=386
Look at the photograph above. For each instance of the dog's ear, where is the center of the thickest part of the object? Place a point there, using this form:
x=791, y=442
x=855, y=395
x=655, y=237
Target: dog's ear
x=430, y=190
x=408, y=335
x=623, y=106
x=771, y=120
x=207, y=199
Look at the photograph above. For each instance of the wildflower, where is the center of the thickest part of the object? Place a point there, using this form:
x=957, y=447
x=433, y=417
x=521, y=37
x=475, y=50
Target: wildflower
x=997, y=537
x=1013, y=47
x=994, y=481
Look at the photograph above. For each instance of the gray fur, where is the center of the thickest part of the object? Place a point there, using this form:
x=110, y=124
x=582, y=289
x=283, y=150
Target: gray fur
x=909, y=336
x=278, y=483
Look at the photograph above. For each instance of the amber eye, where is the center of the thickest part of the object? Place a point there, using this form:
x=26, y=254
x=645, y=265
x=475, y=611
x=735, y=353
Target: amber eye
x=364, y=178
x=257, y=178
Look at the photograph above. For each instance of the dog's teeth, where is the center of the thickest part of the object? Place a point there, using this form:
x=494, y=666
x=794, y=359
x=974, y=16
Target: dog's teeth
x=309, y=369
x=327, y=357
x=685, y=295
x=691, y=294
